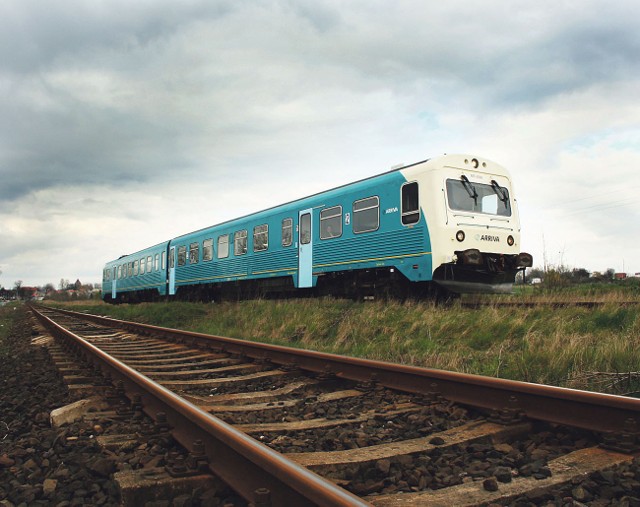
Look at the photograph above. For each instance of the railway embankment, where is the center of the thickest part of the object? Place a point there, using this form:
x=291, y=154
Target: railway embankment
x=391, y=434
x=560, y=340
x=40, y=464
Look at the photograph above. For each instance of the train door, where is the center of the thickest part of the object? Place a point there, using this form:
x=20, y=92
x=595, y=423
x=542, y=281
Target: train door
x=305, y=249
x=114, y=279
x=172, y=271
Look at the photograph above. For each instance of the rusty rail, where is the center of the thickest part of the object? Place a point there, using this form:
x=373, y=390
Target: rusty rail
x=249, y=467
x=582, y=409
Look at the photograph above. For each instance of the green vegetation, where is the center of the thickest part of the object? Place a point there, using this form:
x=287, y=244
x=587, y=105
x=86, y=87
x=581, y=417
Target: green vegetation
x=562, y=346
x=7, y=315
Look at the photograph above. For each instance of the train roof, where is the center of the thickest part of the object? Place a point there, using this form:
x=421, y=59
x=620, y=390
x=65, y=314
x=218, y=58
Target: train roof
x=147, y=249
x=391, y=171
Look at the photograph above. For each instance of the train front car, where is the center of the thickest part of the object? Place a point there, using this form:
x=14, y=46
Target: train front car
x=474, y=228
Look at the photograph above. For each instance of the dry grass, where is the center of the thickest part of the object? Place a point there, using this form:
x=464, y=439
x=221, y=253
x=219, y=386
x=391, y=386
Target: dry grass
x=557, y=346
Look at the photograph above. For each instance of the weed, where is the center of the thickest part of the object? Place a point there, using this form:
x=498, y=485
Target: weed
x=557, y=346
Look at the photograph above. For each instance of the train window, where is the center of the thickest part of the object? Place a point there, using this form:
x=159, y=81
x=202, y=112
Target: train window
x=130, y=270
x=172, y=260
x=115, y=273
x=223, y=246
x=287, y=232
x=240, y=242
x=143, y=265
x=119, y=272
x=194, y=253
x=182, y=255
x=410, y=204
x=366, y=215
x=260, y=238
x=149, y=264
x=305, y=229
x=463, y=195
x=207, y=249
x=331, y=223
x=136, y=267
x=156, y=262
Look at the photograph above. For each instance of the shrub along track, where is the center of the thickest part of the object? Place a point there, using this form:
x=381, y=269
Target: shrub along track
x=477, y=304
x=332, y=430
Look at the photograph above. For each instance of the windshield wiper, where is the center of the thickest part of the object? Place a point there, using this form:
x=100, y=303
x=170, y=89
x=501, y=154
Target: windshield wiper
x=471, y=190
x=501, y=193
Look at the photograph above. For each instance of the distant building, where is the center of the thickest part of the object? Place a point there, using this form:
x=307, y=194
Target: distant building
x=620, y=276
x=6, y=294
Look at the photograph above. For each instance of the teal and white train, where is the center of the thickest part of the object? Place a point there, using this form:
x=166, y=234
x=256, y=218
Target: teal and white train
x=447, y=225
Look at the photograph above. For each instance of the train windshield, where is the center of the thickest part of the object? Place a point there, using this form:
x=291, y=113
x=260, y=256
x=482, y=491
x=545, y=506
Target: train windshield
x=464, y=195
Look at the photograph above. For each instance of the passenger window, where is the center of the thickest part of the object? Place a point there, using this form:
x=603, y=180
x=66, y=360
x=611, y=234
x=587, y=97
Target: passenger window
x=331, y=223
x=287, y=232
x=115, y=273
x=156, y=263
x=149, y=264
x=194, y=253
x=240, y=242
x=305, y=229
x=172, y=258
x=223, y=246
x=366, y=215
x=410, y=204
x=143, y=265
x=130, y=274
x=260, y=238
x=182, y=255
x=136, y=268
x=207, y=249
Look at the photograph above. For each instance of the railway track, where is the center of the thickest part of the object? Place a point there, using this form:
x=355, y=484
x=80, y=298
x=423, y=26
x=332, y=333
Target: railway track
x=291, y=427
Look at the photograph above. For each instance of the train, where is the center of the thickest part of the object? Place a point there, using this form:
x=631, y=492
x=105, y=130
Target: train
x=447, y=225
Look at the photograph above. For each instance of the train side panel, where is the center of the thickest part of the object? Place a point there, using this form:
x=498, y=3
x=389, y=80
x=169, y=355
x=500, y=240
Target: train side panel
x=260, y=248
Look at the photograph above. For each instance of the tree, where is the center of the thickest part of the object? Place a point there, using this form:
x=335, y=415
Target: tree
x=580, y=275
x=17, y=284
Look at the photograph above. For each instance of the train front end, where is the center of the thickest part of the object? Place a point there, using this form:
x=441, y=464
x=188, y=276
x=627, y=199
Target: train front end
x=475, y=232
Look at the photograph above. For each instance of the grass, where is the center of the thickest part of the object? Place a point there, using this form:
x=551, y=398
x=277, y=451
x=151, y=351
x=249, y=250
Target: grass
x=556, y=346
x=7, y=315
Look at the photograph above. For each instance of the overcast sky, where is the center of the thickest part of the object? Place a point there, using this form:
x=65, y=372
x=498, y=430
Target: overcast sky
x=123, y=124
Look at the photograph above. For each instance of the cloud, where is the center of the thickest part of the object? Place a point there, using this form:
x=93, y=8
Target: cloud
x=241, y=105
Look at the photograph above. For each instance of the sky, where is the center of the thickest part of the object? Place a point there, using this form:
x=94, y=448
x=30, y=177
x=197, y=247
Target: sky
x=123, y=124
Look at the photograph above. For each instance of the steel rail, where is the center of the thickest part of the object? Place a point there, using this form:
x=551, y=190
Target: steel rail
x=582, y=409
x=249, y=467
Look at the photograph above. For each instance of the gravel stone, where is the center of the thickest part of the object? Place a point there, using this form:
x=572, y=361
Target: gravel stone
x=490, y=484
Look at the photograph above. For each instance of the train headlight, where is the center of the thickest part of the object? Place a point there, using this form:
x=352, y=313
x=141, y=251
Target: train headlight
x=510, y=240
x=460, y=236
